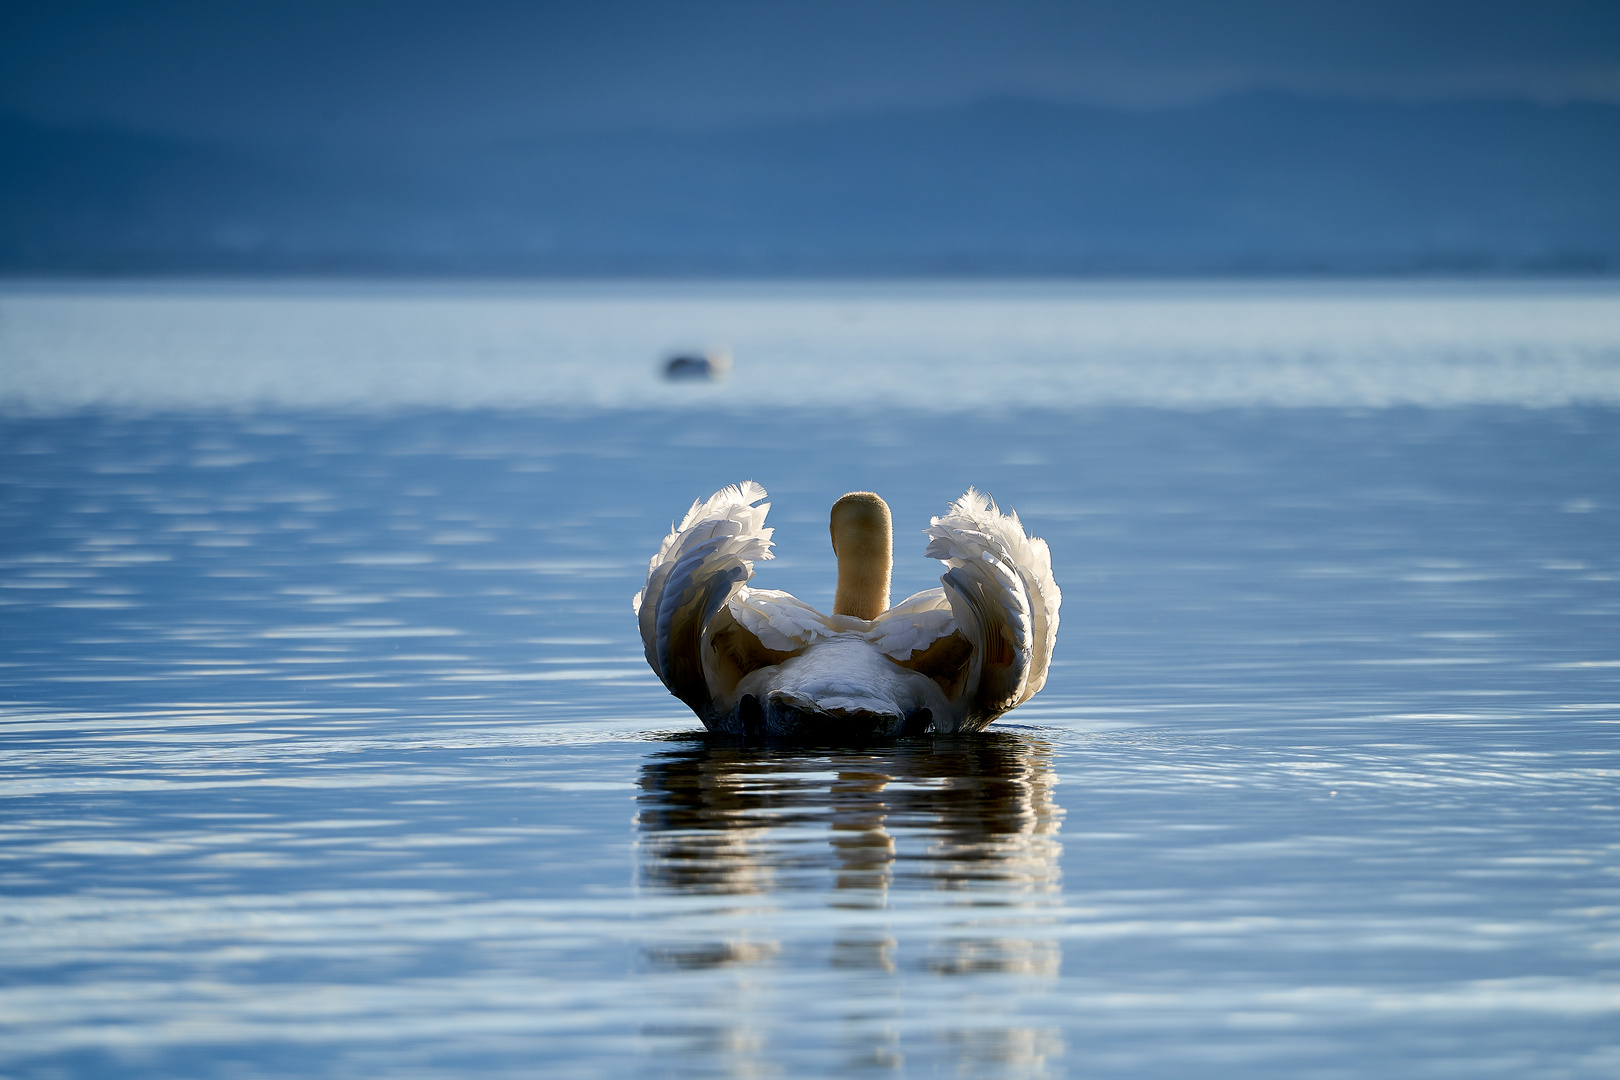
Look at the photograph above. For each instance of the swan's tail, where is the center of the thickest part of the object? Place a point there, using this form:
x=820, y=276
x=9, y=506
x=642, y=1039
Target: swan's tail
x=1002, y=594
x=703, y=560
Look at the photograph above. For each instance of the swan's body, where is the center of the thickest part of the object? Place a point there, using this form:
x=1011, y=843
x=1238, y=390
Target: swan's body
x=760, y=662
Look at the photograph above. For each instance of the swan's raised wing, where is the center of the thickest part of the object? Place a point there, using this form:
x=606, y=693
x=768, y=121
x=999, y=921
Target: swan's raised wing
x=701, y=564
x=1003, y=597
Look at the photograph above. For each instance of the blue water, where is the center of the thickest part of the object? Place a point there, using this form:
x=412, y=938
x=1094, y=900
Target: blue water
x=328, y=748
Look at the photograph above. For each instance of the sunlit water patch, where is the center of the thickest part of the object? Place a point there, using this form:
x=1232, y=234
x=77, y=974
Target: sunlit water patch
x=328, y=750
x=939, y=346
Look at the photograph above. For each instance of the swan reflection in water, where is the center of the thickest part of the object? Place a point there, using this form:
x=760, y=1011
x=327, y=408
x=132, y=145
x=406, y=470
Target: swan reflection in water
x=837, y=873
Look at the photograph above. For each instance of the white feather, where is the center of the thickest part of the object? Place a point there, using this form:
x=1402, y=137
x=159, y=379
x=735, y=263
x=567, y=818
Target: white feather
x=913, y=624
x=780, y=620
x=1015, y=571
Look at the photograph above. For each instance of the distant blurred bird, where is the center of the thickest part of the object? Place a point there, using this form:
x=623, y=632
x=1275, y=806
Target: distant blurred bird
x=760, y=662
x=709, y=366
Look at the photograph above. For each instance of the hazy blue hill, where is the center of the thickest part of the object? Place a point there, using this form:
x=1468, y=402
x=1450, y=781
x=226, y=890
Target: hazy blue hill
x=108, y=199
x=1257, y=183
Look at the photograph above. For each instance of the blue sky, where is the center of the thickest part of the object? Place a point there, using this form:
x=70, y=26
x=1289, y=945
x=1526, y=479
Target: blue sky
x=345, y=71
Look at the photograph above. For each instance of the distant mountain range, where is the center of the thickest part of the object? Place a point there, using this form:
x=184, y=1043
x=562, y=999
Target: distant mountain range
x=1255, y=184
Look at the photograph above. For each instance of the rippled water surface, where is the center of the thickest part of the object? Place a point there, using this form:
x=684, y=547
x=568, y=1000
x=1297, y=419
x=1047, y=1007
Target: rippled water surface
x=327, y=747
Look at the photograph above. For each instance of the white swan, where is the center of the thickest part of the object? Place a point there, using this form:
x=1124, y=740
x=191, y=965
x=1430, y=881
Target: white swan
x=760, y=662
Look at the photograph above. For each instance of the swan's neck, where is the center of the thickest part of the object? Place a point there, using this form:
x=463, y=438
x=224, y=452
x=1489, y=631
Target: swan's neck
x=863, y=540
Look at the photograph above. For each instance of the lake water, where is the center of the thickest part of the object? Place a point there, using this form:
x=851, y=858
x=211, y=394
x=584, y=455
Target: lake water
x=327, y=747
